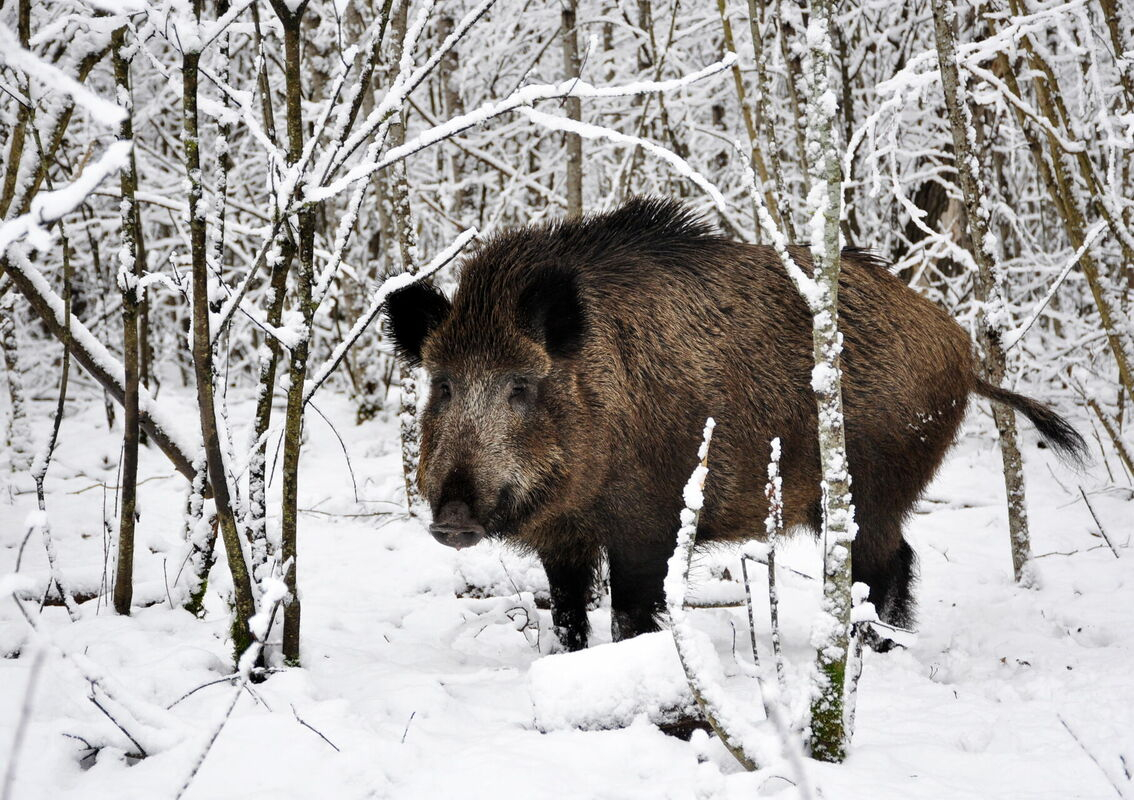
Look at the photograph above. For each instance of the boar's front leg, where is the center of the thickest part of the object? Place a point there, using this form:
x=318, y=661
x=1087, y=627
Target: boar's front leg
x=569, y=579
x=637, y=596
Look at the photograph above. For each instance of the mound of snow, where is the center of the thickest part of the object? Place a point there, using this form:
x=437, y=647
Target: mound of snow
x=610, y=685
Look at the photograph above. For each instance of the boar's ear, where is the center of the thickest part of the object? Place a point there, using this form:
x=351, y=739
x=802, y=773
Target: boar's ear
x=412, y=314
x=551, y=311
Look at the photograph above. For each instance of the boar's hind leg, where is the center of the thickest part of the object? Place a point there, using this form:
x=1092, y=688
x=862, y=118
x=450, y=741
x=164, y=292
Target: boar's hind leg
x=570, y=581
x=637, y=596
x=885, y=562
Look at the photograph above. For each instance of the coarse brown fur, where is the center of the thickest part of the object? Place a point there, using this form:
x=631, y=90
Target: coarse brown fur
x=576, y=364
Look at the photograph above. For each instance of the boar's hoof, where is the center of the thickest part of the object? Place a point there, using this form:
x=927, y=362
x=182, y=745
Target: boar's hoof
x=454, y=526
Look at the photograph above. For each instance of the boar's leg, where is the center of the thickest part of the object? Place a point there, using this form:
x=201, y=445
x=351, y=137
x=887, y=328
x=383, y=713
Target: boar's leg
x=885, y=562
x=637, y=596
x=569, y=580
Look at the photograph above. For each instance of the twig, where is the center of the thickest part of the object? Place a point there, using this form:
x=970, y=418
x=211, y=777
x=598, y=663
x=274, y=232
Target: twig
x=367, y=515
x=248, y=660
x=1091, y=756
x=117, y=724
x=307, y=725
x=1065, y=553
x=774, y=527
x=751, y=616
x=53, y=565
x=1096, y=518
x=342, y=444
x=225, y=679
x=21, y=726
x=1119, y=445
x=408, y=721
x=116, y=488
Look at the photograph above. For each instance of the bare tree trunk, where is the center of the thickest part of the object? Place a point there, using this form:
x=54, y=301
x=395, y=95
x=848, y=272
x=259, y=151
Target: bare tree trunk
x=255, y=524
x=23, y=116
x=574, y=105
x=19, y=432
x=764, y=115
x=989, y=285
x=245, y=604
x=771, y=200
x=452, y=105
x=129, y=272
x=794, y=79
x=279, y=264
x=405, y=239
x=297, y=369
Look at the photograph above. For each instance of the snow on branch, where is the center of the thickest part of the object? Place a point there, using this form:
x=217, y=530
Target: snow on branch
x=11, y=53
x=1013, y=337
x=589, y=131
x=49, y=207
x=93, y=355
x=377, y=300
x=804, y=284
x=406, y=82
x=694, y=648
x=521, y=97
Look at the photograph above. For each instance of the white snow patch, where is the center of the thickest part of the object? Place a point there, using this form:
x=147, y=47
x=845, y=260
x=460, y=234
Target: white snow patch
x=610, y=685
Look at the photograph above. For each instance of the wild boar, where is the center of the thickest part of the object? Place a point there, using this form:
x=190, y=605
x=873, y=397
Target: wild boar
x=574, y=367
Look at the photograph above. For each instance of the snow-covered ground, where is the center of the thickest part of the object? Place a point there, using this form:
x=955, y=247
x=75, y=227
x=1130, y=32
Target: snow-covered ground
x=415, y=684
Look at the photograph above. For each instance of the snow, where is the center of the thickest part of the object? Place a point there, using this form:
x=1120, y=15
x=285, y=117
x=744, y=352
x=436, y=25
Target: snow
x=429, y=693
x=611, y=685
x=102, y=111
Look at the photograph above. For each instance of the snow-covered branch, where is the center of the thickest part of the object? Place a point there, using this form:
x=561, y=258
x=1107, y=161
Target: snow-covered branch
x=522, y=97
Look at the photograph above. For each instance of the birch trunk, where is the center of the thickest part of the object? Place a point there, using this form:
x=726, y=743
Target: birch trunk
x=832, y=706
x=989, y=284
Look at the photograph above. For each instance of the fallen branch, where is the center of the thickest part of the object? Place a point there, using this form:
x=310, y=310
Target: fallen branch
x=96, y=359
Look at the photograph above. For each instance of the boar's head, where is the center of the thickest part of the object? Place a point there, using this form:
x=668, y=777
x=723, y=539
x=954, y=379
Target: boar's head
x=504, y=403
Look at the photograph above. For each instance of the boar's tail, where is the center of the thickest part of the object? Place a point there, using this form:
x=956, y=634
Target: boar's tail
x=1054, y=429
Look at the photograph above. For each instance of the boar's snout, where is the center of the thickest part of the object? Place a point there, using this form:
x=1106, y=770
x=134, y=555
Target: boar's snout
x=454, y=526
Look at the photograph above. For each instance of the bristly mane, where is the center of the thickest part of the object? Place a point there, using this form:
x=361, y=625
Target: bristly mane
x=657, y=217
x=643, y=225
x=868, y=257
x=535, y=277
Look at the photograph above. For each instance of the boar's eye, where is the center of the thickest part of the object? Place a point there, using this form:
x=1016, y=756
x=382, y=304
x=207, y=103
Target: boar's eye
x=443, y=390
x=520, y=394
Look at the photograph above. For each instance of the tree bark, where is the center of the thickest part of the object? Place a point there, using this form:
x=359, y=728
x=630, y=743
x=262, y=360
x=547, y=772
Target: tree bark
x=245, y=605
x=129, y=272
x=574, y=106
x=833, y=703
x=989, y=284
x=771, y=200
x=297, y=368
